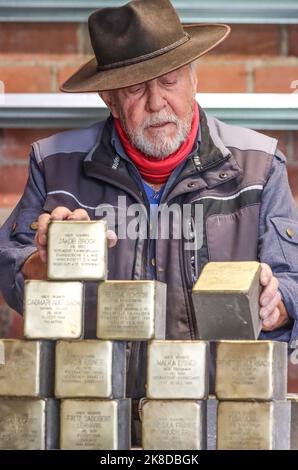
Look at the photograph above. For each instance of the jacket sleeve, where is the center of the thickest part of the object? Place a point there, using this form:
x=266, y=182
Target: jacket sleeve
x=17, y=236
x=278, y=242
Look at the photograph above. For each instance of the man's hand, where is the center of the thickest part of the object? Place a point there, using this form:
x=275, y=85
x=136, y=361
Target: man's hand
x=273, y=311
x=34, y=267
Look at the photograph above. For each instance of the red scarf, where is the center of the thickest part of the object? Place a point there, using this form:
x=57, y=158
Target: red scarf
x=158, y=171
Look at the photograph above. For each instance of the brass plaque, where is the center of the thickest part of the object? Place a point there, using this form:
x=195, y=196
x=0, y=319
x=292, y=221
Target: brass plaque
x=28, y=424
x=178, y=369
x=253, y=425
x=28, y=370
x=226, y=301
x=293, y=399
x=131, y=310
x=53, y=310
x=251, y=370
x=95, y=424
x=91, y=368
x=174, y=425
x=77, y=250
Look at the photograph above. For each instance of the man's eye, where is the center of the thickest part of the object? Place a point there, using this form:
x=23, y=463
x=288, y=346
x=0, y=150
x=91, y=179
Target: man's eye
x=169, y=82
x=135, y=89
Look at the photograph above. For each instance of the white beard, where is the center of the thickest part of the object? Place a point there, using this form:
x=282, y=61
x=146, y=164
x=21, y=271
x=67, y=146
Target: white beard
x=162, y=146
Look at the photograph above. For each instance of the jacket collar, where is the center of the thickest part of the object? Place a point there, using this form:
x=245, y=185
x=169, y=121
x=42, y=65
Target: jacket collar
x=108, y=161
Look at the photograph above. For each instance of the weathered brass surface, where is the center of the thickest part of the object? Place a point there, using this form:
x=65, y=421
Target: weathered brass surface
x=77, y=250
x=90, y=368
x=253, y=425
x=226, y=301
x=53, y=310
x=174, y=425
x=255, y=370
x=28, y=370
x=131, y=310
x=28, y=424
x=95, y=424
x=178, y=370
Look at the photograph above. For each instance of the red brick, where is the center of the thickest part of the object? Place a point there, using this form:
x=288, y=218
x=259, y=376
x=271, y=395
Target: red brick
x=65, y=73
x=275, y=79
x=9, y=200
x=56, y=38
x=251, y=40
x=44, y=59
x=16, y=329
x=221, y=78
x=293, y=179
x=13, y=178
x=293, y=40
x=26, y=79
x=16, y=143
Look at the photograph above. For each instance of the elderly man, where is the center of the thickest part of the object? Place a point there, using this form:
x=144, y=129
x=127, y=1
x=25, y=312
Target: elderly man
x=159, y=147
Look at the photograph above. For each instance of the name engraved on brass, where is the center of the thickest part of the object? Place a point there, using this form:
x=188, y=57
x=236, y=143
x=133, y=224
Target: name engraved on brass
x=254, y=370
x=90, y=368
x=131, y=310
x=95, y=424
x=253, y=425
x=173, y=425
x=77, y=250
x=178, y=369
x=28, y=424
x=53, y=310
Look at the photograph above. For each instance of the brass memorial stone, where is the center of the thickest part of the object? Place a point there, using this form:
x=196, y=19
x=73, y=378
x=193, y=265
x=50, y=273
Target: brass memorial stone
x=90, y=369
x=77, y=250
x=174, y=425
x=95, y=424
x=293, y=399
x=178, y=370
x=131, y=310
x=255, y=370
x=53, y=310
x=253, y=425
x=28, y=370
x=28, y=424
x=226, y=301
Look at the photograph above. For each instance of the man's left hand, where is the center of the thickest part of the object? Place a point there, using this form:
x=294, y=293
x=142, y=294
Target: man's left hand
x=272, y=312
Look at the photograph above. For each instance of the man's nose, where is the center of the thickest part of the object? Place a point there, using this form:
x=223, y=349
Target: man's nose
x=155, y=100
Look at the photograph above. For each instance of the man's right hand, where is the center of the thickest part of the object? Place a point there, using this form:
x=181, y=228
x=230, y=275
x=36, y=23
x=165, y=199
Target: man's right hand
x=34, y=266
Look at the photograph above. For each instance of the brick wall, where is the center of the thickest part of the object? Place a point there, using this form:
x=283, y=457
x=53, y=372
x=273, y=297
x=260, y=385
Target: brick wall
x=38, y=57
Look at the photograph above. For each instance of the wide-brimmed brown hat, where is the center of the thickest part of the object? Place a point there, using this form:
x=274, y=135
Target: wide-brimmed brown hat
x=140, y=41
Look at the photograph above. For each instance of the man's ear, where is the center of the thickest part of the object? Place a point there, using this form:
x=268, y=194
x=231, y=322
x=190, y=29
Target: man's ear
x=109, y=99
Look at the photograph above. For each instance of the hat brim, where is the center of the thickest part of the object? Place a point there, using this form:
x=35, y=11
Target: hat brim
x=203, y=38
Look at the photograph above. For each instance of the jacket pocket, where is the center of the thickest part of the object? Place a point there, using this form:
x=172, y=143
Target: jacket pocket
x=234, y=236
x=287, y=234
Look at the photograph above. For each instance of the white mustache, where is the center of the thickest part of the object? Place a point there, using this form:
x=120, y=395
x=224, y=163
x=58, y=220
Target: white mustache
x=160, y=119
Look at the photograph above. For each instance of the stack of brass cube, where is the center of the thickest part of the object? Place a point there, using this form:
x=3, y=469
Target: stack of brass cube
x=251, y=376
x=174, y=411
x=251, y=385
x=293, y=400
x=29, y=417
x=86, y=377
